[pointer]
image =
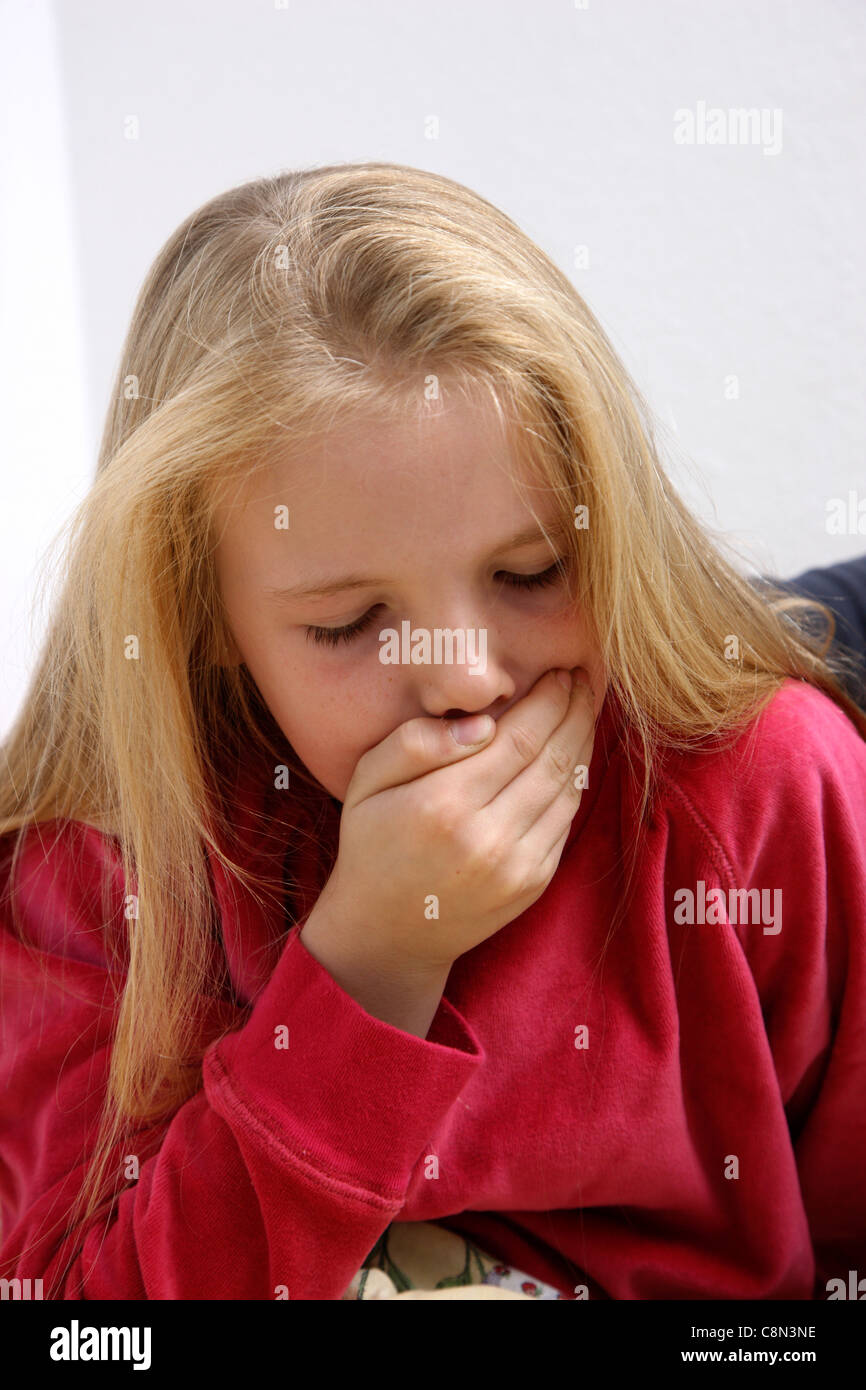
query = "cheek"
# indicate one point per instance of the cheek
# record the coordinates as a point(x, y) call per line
point(331, 720)
point(325, 748)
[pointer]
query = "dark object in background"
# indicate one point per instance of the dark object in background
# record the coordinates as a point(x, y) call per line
point(843, 588)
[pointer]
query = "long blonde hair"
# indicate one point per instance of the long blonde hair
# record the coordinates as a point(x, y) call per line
point(272, 309)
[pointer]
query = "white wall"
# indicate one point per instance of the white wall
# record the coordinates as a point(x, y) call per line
point(706, 261)
point(46, 449)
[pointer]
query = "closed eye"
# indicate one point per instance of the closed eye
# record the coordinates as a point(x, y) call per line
point(333, 636)
point(534, 581)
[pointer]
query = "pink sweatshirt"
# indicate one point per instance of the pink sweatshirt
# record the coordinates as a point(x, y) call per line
point(681, 1117)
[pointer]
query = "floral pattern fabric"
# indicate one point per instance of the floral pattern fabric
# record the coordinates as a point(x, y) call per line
point(420, 1260)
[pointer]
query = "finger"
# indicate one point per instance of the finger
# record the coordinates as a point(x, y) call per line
point(412, 750)
point(526, 798)
point(542, 868)
point(521, 734)
point(551, 829)
point(550, 862)
point(525, 802)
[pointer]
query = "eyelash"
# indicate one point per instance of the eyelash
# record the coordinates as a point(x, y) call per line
point(333, 636)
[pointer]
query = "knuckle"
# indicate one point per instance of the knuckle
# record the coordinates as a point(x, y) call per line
point(491, 850)
point(413, 743)
point(559, 760)
point(516, 879)
point(525, 742)
point(479, 849)
point(441, 818)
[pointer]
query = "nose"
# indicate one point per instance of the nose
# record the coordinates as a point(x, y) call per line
point(464, 671)
point(454, 690)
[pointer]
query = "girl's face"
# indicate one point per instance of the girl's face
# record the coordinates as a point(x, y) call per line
point(389, 524)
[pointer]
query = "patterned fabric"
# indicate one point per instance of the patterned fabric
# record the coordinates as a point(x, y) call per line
point(418, 1259)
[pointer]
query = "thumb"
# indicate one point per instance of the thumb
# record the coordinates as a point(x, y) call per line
point(472, 731)
point(415, 748)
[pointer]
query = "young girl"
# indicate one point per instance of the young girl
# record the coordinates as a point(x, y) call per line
point(294, 948)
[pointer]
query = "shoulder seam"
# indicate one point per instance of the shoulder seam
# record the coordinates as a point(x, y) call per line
point(713, 847)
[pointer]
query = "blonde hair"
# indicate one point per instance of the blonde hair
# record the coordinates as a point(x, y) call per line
point(273, 308)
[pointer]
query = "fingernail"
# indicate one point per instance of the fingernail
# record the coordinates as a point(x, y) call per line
point(472, 730)
point(564, 678)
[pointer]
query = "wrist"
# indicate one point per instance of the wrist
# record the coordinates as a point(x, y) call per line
point(333, 930)
point(404, 993)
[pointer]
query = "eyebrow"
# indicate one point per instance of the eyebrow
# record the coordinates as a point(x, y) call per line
point(325, 588)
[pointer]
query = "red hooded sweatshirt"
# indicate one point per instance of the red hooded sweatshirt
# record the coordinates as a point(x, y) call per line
point(681, 1116)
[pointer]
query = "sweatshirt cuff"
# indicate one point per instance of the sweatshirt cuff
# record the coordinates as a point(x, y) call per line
point(345, 1092)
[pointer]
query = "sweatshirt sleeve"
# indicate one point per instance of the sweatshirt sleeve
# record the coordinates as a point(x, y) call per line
point(274, 1180)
